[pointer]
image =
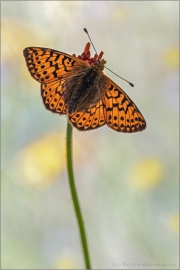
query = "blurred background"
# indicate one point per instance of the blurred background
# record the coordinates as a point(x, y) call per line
point(127, 183)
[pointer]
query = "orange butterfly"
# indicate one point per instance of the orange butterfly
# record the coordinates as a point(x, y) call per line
point(77, 87)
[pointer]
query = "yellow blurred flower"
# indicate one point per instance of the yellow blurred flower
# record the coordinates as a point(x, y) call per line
point(121, 14)
point(146, 174)
point(66, 262)
point(40, 163)
point(174, 223)
point(171, 57)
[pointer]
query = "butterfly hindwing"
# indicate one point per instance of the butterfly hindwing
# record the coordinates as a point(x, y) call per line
point(120, 113)
point(52, 95)
point(91, 119)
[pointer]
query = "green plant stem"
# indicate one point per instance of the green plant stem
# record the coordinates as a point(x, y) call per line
point(75, 197)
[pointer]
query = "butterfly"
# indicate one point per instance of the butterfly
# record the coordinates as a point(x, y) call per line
point(78, 88)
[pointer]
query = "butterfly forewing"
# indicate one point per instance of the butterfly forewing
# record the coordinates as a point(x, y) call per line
point(46, 65)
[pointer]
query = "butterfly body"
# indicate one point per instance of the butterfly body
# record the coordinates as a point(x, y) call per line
point(84, 88)
point(77, 87)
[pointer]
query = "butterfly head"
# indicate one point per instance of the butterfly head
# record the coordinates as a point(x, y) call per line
point(99, 64)
point(96, 60)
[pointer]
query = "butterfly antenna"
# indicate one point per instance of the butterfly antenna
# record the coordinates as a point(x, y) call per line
point(85, 30)
point(120, 77)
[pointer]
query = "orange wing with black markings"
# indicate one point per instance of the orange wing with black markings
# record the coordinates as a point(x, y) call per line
point(120, 112)
point(52, 94)
point(90, 119)
point(47, 65)
point(50, 68)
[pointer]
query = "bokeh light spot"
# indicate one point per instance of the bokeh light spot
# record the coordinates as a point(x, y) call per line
point(146, 174)
point(171, 57)
point(174, 223)
point(40, 162)
point(65, 262)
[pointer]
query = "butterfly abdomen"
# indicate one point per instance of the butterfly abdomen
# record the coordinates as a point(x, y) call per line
point(83, 89)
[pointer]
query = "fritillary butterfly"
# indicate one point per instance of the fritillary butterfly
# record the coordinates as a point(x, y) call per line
point(77, 87)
